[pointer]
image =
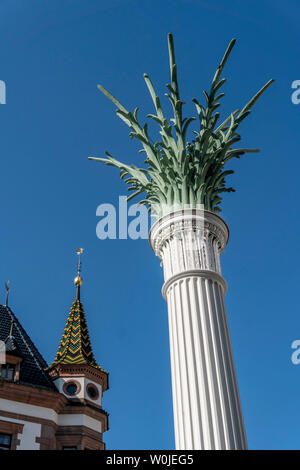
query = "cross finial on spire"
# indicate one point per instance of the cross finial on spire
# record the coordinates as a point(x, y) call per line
point(78, 278)
point(7, 288)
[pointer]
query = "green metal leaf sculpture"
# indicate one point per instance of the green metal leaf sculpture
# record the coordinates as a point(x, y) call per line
point(181, 173)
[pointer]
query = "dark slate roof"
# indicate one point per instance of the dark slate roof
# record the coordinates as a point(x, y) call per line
point(32, 371)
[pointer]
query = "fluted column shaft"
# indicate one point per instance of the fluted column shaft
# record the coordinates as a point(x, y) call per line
point(206, 403)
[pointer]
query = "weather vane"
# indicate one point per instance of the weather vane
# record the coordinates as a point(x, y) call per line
point(79, 253)
point(7, 288)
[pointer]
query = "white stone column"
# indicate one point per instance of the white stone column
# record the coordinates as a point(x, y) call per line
point(206, 402)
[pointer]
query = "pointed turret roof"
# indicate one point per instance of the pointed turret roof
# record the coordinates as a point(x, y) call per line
point(17, 341)
point(75, 345)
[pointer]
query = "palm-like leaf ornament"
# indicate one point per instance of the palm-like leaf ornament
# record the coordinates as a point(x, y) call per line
point(180, 173)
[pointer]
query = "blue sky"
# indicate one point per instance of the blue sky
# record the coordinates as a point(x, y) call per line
point(52, 55)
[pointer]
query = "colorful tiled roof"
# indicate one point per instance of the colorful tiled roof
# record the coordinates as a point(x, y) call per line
point(75, 346)
point(32, 370)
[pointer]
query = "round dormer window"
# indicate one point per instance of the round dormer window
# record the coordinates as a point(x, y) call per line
point(92, 391)
point(71, 388)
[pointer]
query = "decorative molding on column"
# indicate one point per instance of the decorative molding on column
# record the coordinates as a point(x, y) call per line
point(192, 273)
point(196, 219)
point(190, 239)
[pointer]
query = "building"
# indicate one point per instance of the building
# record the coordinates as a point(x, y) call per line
point(57, 407)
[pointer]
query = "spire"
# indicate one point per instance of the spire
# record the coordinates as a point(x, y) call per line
point(75, 346)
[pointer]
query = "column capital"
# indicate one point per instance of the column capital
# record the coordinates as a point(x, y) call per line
point(203, 222)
